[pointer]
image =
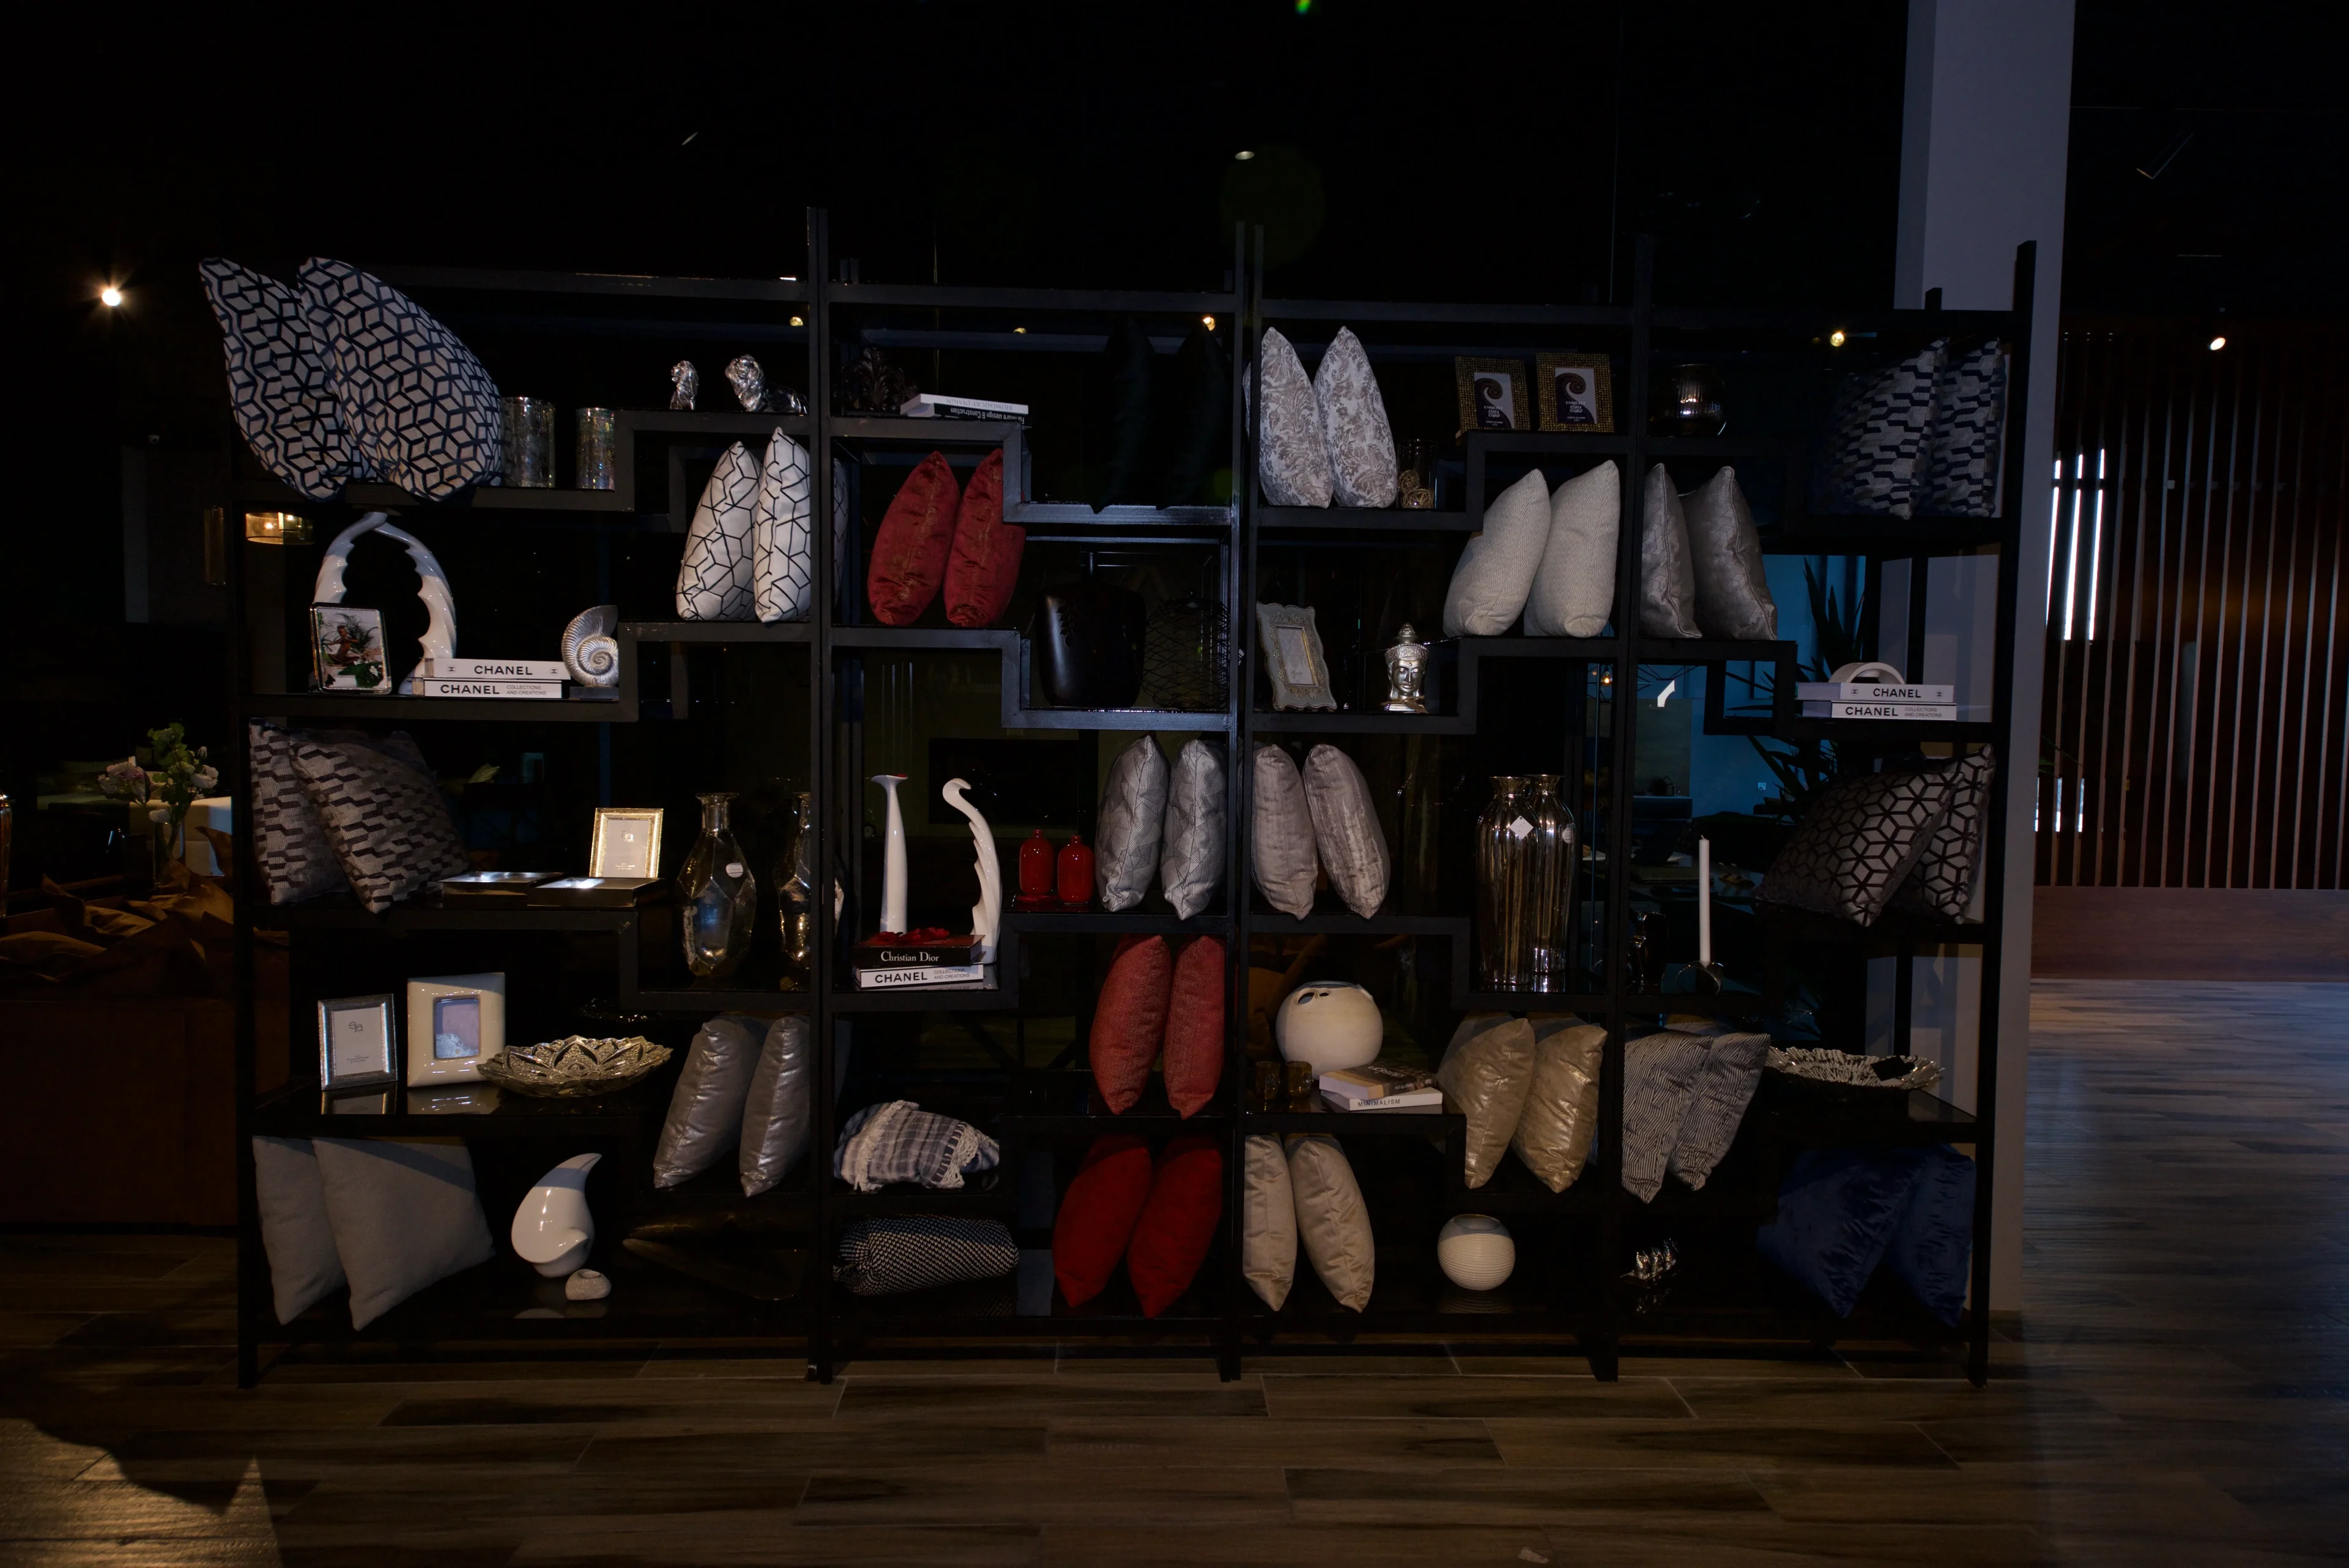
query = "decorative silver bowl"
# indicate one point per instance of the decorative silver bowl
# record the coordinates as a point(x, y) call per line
point(1842, 1070)
point(574, 1067)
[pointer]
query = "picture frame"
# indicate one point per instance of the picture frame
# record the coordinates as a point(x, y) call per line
point(358, 1042)
point(626, 842)
point(1289, 643)
point(1493, 394)
point(455, 1022)
point(347, 649)
point(1575, 392)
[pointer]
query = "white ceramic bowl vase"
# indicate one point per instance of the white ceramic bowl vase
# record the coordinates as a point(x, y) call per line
point(1333, 1024)
point(553, 1229)
point(1475, 1251)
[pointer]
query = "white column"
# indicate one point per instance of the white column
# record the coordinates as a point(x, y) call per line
point(1984, 138)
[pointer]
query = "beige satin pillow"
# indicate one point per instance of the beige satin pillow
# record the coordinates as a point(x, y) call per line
point(1267, 1222)
point(1346, 836)
point(1331, 1220)
point(1561, 1114)
point(1487, 1071)
point(1280, 831)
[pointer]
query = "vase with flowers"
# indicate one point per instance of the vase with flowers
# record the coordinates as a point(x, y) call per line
point(173, 778)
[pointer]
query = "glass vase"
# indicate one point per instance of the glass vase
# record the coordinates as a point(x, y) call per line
point(1502, 963)
point(1555, 849)
point(1526, 847)
point(795, 896)
point(719, 895)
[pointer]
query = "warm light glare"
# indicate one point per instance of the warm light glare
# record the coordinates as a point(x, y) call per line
point(1242, 157)
point(1018, 331)
point(1208, 322)
point(111, 297)
point(276, 528)
point(1834, 339)
point(797, 322)
point(2216, 343)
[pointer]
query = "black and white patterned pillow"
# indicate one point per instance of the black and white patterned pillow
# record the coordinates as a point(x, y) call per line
point(420, 408)
point(1944, 881)
point(1859, 843)
point(714, 576)
point(897, 1141)
point(782, 546)
point(1877, 437)
point(1968, 408)
point(383, 813)
point(281, 383)
point(296, 860)
point(921, 1251)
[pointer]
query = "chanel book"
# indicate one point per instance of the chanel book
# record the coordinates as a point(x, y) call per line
point(1872, 691)
point(1940, 712)
point(494, 670)
point(540, 690)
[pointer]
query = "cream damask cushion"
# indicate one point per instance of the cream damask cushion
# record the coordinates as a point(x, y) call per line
point(1667, 580)
point(1292, 455)
point(1574, 588)
point(1267, 1222)
point(1281, 836)
point(1362, 470)
point(1346, 833)
point(714, 579)
point(1495, 574)
point(1733, 596)
point(1332, 1220)
point(1486, 1073)
point(1191, 846)
point(1859, 842)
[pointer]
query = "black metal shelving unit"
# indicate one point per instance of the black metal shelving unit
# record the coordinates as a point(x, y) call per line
point(1569, 1294)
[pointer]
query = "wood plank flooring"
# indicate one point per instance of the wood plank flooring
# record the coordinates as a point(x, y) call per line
point(2175, 1391)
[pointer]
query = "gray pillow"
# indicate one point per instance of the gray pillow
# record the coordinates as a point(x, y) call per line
point(1281, 834)
point(1724, 1085)
point(295, 1231)
point(775, 1119)
point(404, 1214)
point(383, 813)
point(1963, 454)
point(1362, 468)
point(1292, 457)
point(1858, 844)
point(1561, 1110)
point(1191, 850)
point(1267, 1222)
point(1660, 1078)
point(1667, 580)
point(297, 862)
point(1949, 868)
point(705, 1112)
point(1332, 1220)
point(1733, 596)
point(1573, 589)
point(1486, 1073)
point(1877, 429)
point(1346, 829)
point(1125, 835)
point(1495, 574)
point(921, 1251)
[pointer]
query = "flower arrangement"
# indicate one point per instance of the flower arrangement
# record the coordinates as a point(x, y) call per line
point(175, 778)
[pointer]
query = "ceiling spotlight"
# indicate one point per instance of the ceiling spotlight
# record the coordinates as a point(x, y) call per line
point(2216, 343)
point(1208, 322)
point(111, 296)
point(1242, 156)
point(1834, 339)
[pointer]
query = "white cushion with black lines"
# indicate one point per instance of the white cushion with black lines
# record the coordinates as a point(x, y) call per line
point(423, 411)
point(383, 813)
point(281, 382)
point(1968, 407)
point(1877, 434)
point(888, 1257)
point(297, 862)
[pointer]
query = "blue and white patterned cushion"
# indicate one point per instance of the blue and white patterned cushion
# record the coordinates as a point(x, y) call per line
point(281, 383)
point(1968, 408)
point(423, 411)
point(921, 1251)
point(1877, 435)
point(713, 579)
point(782, 547)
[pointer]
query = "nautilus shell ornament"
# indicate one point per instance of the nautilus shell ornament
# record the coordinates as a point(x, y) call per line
point(590, 650)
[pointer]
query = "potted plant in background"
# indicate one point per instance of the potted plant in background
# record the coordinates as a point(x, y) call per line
point(173, 779)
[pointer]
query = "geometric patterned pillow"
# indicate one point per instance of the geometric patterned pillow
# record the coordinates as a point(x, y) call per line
point(1877, 433)
point(1860, 840)
point(782, 549)
point(383, 813)
point(281, 385)
point(887, 1257)
point(714, 576)
point(296, 861)
point(1969, 406)
point(1943, 882)
point(423, 411)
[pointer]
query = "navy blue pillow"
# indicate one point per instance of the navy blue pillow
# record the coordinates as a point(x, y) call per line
point(1837, 1215)
point(422, 411)
point(1935, 1237)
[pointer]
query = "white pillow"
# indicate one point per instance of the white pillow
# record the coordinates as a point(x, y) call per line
point(1362, 469)
point(1191, 846)
point(777, 1118)
point(1332, 1220)
point(1281, 834)
point(713, 580)
point(1574, 588)
point(1292, 457)
point(404, 1214)
point(1497, 571)
point(1667, 580)
point(1346, 836)
point(782, 558)
point(1132, 814)
point(1268, 1222)
point(295, 1231)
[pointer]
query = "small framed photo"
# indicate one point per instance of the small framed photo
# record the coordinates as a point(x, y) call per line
point(455, 1022)
point(1492, 395)
point(347, 649)
point(626, 842)
point(356, 1046)
point(1292, 650)
point(1575, 392)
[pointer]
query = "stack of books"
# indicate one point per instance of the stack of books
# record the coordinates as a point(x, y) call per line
point(538, 680)
point(923, 960)
point(1877, 700)
point(930, 406)
point(1378, 1088)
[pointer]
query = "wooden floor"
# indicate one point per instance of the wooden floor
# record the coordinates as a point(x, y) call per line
point(2177, 1391)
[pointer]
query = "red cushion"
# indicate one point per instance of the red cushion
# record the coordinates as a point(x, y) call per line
point(985, 567)
point(1195, 1027)
point(1130, 1019)
point(909, 553)
point(1178, 1224)
point(1097, 1216)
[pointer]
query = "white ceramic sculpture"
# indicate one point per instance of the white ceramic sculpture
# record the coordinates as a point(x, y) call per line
point(553, 1229)
point(1333, 1024)
point(432, 585)
point(590, 650)
point(893, 858)
point(586, 1286)
point(1475, 1251)
point(986, 915)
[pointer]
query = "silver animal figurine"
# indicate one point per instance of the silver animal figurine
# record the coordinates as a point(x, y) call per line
point(684, 385)
point(750, 383)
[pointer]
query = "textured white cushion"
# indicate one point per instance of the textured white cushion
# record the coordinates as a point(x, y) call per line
point(782, 558)
point(1495, 574)
point(1191, 848)
point(1667, 581)
point(404, 1214)
point(1574, 588)
point(1132, 814)
point(1346, 833)
point(1292, 456)
point(1486, 1073)
point(713, 580)
point(1332, 1220)
point(1281, 836)
point(296, 1230)
point(1362, 470)
point(1268, 1222)
point(1733, 596)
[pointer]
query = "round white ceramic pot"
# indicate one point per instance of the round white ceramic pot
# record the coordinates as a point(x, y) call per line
point(1475, 1251)
point(1330, 1024)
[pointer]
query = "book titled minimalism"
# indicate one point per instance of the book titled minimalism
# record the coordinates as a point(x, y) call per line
point(540, 670)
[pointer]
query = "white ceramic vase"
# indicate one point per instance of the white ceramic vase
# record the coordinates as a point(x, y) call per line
point(892, 858)
point(1476, 1251)
point(1333, 1024)
point(553, 1229)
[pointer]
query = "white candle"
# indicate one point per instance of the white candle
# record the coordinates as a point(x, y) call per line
point(1704, 902)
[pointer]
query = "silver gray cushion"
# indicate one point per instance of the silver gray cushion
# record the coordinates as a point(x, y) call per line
point(1125, 835)
point(1733, 596)
point(1191, 850)
point(296, 1232)
point(1574, 590)
point(1495, 574)
point(1733, 1066)
point(1660, 1078)
point(1281, 834)
point(776, 1123)
point(404, 1214)
point(1292, 457)
point(1858, 844)
point(1362, 469)
point(1667, 581)
point(1346, 829)
point(705, 1113)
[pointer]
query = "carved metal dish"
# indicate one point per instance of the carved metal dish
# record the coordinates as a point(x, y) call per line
point(574, 1067)
point(1842, 1070)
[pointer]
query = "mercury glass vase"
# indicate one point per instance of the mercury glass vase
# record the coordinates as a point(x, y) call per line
point(795, 896)
point(717, 896)
point(1554, 848)
point(1525, 883)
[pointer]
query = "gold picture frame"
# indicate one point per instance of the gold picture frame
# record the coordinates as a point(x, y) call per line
point(627, 842)
point(1575, 392)
point(1492, 394)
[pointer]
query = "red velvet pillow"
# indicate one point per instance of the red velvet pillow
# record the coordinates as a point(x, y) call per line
point(909, 553)
point(1130, 1019)
point(1178, 1223)
point(1097, 1216)
point(1195, 1027)
point(986, 564)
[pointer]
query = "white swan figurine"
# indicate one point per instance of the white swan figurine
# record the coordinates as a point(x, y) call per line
point(553, 1230)
point(986, 915)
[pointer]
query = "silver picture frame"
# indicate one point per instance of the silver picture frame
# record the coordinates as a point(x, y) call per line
point(1291, 646)
point(358, 1042)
